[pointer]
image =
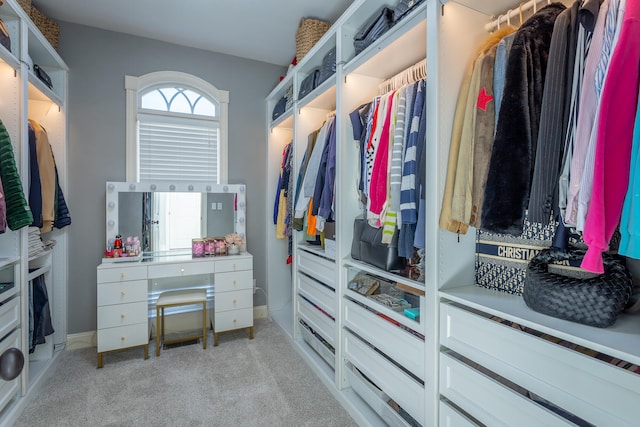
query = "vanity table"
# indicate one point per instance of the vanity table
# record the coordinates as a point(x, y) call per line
point(126, 290)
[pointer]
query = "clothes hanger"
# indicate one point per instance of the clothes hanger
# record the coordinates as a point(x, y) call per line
point(499, 18)
point(520, 13)
point(535, 6)
point(509, 17)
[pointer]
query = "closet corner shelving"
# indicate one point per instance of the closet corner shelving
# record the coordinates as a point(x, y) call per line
point(475, 356)
point(25, 97)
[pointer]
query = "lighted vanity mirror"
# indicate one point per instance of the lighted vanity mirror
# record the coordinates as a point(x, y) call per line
point(167, 216)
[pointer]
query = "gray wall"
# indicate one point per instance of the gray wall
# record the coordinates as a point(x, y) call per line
point(98, 61)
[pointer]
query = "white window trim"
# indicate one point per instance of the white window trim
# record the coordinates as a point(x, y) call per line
point(133, 85)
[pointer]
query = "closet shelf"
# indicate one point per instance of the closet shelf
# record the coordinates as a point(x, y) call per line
point(9, 58)
point(418, 286)
point(622, 340)
point(39, 272)
point(322, 97)
point(5, 261)
point(38, 91)
point(285, 121)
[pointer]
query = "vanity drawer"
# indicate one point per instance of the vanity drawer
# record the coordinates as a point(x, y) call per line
point(487, 400)
point(318, 293)
point(403, 389)
point(8, 389)
point(122, 274)
point(317, 267)
point(319, 322)
point(9, 316)
point(225, 301)
point(122, 292)
point(225, 282)
point(233, 319)
point(111, 316)
point(399, 345)
point(234, 265)
point(123, 337)
point(181, 269)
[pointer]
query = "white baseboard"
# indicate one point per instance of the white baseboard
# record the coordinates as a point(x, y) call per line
point(89, 339)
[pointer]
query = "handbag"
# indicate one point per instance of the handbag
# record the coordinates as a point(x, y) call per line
point(373, 29)
point(582, 297)
point(5, 39)
point(367, 246)
point(42, 75)
point(328, 67)
point(309, 83)
point(403, 8)
point(279, 108)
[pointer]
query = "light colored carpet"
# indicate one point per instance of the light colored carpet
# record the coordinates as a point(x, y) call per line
point(242, 382)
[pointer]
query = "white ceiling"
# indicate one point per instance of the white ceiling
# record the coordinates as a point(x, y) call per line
point(263, 30)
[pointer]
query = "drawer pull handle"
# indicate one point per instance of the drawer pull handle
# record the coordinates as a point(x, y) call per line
point(121, 293)
point(234, 321)
point(234, 265)
point(234, 302)
point(121, 276)
point(122, 316)
point(234, 283)
point(182, 270)
point(121, 338)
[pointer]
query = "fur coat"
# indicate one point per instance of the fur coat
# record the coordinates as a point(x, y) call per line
point(512, 157)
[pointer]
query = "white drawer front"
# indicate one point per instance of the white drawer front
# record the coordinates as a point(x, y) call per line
point(237, 264)
point(9, 316)
point(319, 294)
point(406, 391)
point(122, 292)
point(319, 322)
point(235, 319)
point(122, 274)
point(179, 269)
point(111, 316)
point(123, 337)
point(317, 267)
point(8, 389)
point(225, 301)
point(489, 401)
point(604, 394)
point(451, 417)
point(225, 282)
point(400, 345)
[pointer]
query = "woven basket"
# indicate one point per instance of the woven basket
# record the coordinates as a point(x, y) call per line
point(26, 5)
point(49, 28)
point(309, 32)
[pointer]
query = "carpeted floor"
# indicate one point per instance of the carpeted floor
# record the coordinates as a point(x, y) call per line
point(242, 382)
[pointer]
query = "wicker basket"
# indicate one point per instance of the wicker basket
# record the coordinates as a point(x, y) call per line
point(309, 32)
point(49, 28)
point(26, 5)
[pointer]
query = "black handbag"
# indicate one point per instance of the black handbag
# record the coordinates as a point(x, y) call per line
point(586, 298)
point(5, 39)
point(403, 8)
point(373, 29)
point(43, 76)
point(309, 83)
point(279, 108)
point(367, 246)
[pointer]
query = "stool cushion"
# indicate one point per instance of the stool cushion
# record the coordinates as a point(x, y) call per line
point(186, 296)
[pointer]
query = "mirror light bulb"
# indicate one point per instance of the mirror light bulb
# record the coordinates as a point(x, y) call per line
point(172, 187)
point(110, 223)
point(111, 205)
point(110, 187)
point(132, 187)
point(153, 187)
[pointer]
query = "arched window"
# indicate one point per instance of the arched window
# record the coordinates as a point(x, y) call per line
point(176, 129)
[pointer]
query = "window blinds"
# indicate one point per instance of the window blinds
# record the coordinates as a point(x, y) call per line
point(177, 149)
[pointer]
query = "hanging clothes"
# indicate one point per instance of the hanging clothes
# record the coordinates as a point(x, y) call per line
point(41, 314)
point(298, 222)
point(63, 217)
point(35, 190)
point(18, 213)
point(324, 190)
point(511, 165)
point(3, 210)
point(630, 218)
point(280, 210)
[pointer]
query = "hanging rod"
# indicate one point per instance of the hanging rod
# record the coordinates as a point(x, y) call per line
point(514, 13)
point(414, 73)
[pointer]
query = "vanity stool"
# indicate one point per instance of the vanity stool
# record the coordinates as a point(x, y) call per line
point(177, 298)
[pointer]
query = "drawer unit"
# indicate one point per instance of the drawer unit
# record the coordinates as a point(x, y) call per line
point(320, 322)
point(233, 319)
point(111, 316)
point(317, 267)
point(318, 293)
point(122, 274)
point(179, 269)
point(122, 337)
point(233, 281)
point(488, 401)
point(226, 301)
point(451, 417)
point(122, 292)
point(399, 345)
point(8, 389)
point(9, 316)
point(237, 264)
point(404, 390)
point(599, 393)
point(318, 346)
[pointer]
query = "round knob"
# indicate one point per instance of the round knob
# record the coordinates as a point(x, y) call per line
point(122, 316)
point(234, 266)
point(234, 302)
point(121, 338)
point(121, 276)
point(182, 270)
point(121, 293)
point(234, 320)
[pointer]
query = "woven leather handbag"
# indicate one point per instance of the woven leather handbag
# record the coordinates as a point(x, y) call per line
point(586, 298)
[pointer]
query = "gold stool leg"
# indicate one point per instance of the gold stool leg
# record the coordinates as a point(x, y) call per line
point(100, 360)
point(146, 351)
point(250, 332)
point(204, 325)
point(157, 331)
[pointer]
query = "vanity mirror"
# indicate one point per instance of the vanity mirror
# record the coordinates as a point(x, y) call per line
point(166, 216)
